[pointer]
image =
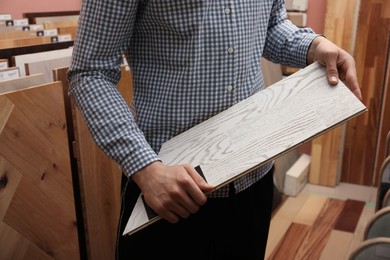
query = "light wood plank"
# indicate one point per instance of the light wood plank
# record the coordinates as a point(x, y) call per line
point(51, 228)
point(282, 219)
point(20, 83)
point(310, 211)
point(291, 242)
point(20, 60)
point(259, 129)
point(315, 241)
point(46, 67)
point(337, 246)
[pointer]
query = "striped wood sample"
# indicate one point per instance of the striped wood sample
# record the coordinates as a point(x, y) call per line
point(37, 212)
point(318, 235)
point(327, 149)
point(362, 160)
point(257, 130)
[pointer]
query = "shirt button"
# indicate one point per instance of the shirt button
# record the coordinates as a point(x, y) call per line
point(229, 88)
point(230, 50)
point(227, 10)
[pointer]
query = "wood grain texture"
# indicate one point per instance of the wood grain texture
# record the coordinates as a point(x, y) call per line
point(281, 221)
point(99, 176)
point(21, 83)
point(259, 129)
point(291, 242)
point(338, 244)
point(361, 160)
point(316, 239)
point(37, 211)
point(327, 150)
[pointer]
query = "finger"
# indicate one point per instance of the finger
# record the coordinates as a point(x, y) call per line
point(331, 71)
point(352, 82)
point(202, 184)
point(196, 191)
point(171, 208)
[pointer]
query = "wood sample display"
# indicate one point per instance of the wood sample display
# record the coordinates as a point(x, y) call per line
point(37, 212)
point(327, 149)
point(257, 130)
point(46, 67)
point(315, 234)
point(99, 176)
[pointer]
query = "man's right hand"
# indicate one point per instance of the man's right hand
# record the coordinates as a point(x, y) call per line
point(173, 192)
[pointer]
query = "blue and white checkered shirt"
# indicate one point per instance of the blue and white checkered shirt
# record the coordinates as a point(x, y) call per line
point(190, 60)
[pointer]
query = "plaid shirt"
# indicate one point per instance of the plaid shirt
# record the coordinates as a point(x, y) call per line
point(190, 60)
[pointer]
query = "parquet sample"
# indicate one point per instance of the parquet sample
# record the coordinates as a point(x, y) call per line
point(37, 212)
point(257, 130)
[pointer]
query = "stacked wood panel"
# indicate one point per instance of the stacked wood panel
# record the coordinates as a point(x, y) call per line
point(366, 135)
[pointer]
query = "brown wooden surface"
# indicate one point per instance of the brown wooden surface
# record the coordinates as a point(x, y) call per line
point(350, 215)
point(21, 83)
point(319, 234)
point(327, 150)
point(361, 157)
point(37, 211)
point(28, 41)
point(99, 179)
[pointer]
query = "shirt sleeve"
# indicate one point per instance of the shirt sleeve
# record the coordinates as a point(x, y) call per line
point(286, 43)
point(104, 32)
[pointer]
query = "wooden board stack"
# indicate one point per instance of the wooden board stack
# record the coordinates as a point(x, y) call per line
point(257, 130)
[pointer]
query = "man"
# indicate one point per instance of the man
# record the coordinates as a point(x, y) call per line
point(190, 59)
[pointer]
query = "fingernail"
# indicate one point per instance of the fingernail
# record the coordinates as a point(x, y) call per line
point(333, 79)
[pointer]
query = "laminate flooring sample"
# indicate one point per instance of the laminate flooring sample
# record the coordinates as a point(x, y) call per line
point(257, 130)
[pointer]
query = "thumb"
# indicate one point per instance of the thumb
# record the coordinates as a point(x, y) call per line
point(332, 72)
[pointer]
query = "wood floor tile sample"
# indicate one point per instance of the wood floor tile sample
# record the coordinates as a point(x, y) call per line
point(283, 218)
point(337, 246)
point(310, 211)
point(350, 216)
point(258, 130)
point(291, 242)
point(316, 239)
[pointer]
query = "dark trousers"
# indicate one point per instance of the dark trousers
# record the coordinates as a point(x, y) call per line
point(224, 228)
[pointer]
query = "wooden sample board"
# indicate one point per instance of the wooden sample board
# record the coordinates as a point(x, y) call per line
point(37, 209)
point(21, 60)
point(99, 176)
point(46, 67)
point(257, 130)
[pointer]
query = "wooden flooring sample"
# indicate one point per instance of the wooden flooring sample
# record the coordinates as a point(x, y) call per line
point(257, 130)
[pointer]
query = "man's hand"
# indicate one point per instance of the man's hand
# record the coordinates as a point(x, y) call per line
point(173, 192)
point(339, 63)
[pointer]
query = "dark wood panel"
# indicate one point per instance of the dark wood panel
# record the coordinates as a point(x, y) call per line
point(349, 216)
point(361, 141)
point(31, 16)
